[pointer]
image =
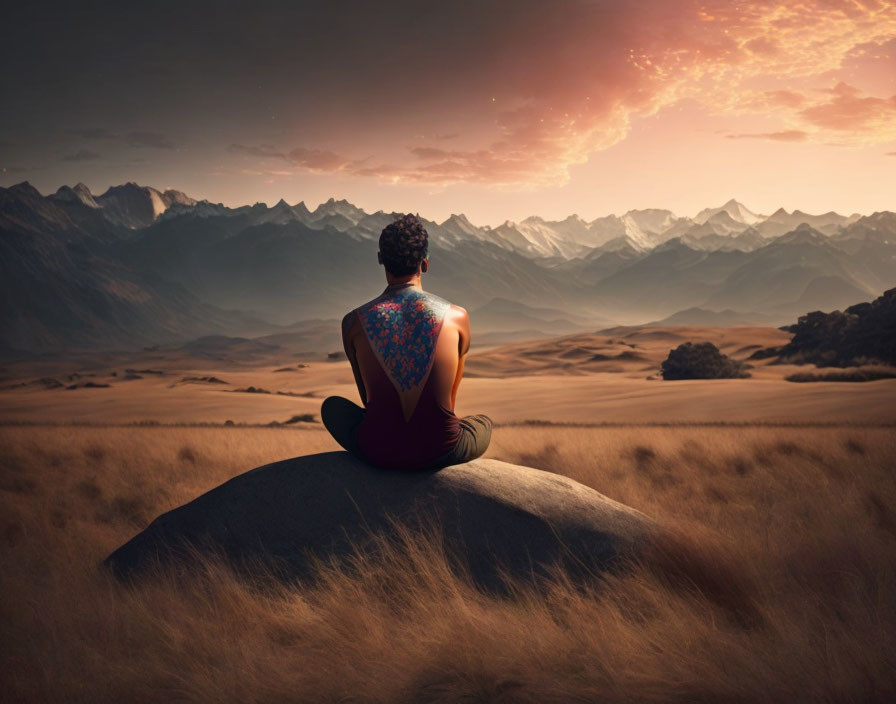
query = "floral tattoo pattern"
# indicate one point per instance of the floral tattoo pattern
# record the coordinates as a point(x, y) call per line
point(403, 327)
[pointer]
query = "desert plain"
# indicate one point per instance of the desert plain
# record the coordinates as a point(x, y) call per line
point(605, 377)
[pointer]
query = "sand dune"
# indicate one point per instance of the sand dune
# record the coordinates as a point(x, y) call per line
point(628, 350)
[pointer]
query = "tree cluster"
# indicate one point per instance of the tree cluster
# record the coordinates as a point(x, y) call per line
point(862, 334)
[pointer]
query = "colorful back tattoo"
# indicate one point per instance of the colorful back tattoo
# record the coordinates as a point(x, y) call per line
point(403, 327)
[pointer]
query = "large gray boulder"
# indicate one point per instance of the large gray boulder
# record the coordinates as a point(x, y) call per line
point(494, 515)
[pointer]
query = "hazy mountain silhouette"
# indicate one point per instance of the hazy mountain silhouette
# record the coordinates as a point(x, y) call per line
point(505, 315)
point(137, 264)
point(63, 286)
point(722, 318)
point(778, 276)
point(781, 222)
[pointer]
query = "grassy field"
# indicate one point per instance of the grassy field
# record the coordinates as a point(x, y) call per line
point(777, 583)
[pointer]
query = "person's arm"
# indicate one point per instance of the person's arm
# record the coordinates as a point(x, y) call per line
point(463, 346)
point(347, 324)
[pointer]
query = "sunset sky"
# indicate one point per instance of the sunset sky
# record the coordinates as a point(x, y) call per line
point(500, 110)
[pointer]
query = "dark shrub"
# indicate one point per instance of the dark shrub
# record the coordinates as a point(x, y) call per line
point(851, 375)
point(701, 361)
point(862, 334)
point(766, 352)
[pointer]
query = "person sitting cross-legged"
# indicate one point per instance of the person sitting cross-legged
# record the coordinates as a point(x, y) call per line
point(407, 349)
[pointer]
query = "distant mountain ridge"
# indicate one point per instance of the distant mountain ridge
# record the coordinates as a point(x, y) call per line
point(134, 207)
point(138, 263)
point(62, 284)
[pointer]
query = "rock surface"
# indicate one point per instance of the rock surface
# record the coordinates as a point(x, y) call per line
point(493, 514)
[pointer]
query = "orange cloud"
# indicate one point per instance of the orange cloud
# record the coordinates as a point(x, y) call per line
point(785, 98)
point(785, 136)
point(565, 79)
point(429, 152)
point(580, 95)
point(847, 111)
point(317, 160)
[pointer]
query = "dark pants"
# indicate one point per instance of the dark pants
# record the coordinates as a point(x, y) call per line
point(342, 418)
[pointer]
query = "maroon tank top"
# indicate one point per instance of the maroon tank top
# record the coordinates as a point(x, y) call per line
point(402, 327)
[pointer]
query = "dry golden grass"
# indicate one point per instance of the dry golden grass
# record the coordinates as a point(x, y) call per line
point(777, 581)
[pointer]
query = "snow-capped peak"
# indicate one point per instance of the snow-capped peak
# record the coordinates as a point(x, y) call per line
point(737, 211)
point(339, 207)
point(77, 194)
point(458, 224)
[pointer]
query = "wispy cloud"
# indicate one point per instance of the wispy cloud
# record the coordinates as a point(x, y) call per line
point(152, 140)
point(319, 160)
point(785, 98)
point(784, 136)
point(81, 155)
point(263, 150)
point(846, 110)
point(429, 152)
point(95, 133)
point(135, 138)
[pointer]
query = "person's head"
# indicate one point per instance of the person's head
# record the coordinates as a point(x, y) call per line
point(403, 247)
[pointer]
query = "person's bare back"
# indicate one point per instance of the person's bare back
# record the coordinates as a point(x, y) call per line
point(411, 334)
point(407, 348)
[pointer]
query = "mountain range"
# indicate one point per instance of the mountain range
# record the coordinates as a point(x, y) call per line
point(136, 265)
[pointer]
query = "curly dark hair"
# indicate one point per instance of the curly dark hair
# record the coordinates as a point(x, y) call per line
point(403, 245)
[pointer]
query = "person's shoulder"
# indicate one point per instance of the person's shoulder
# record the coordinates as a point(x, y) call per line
point(359, 310)
point(434, 298)
point(451, 310)
point(348, 320)
point(458, 316)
